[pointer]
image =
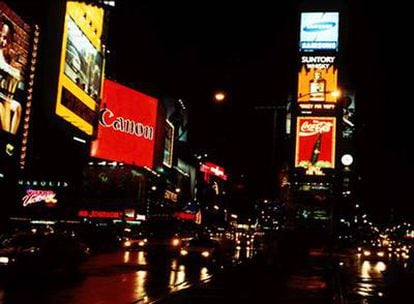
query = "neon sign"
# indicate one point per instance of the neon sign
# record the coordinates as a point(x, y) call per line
point(36, 196)
point(210, 168)
point(100, 214)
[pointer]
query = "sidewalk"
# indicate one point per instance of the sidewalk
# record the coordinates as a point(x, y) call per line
point(284, 273)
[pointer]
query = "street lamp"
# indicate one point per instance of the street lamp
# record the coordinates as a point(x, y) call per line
point(219, 97)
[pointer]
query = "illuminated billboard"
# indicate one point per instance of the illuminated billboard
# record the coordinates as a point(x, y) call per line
point(348, 115)
point(41, 193)
point(168, 144)
point(81, 66)
point(319, 31)
point(127, 122)
point(315, 144)
point(212, 169)
point(177, 115)
point(317, 79)
point(15, 46)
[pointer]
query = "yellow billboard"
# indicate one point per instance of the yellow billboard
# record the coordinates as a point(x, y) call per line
point(317, 79)
point(81, 66)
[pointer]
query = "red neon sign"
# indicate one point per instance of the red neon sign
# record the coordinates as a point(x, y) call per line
point(315, 143)
point(127, 125)
point(210, 168)
point(100, 214)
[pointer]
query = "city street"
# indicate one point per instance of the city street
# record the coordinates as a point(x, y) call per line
point(118, 277)
point(205, 153)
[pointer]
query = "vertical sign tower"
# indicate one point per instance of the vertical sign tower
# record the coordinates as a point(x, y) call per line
point(315, 119)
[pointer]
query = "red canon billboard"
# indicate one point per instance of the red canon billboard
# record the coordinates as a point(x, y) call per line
point(127, 125)
point(315, 143)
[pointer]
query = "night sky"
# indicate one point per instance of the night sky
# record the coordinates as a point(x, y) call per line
point(188, 50)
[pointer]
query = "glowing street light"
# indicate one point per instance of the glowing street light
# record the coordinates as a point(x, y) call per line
point(219, 97)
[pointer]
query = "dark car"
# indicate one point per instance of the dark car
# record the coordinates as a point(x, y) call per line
point(201, 249)
point(134, 241)
point(41, 253)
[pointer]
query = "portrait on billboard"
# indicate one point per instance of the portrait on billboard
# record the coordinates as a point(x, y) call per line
point(315, 143)
point(83, 62)
point(14, 53)
point(317, 79)
point(319, 31)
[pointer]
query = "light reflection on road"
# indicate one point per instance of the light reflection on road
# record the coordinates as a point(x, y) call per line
point(369, 284)
point(119, 277)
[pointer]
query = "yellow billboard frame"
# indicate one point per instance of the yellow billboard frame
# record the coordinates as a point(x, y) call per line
point(90, 20)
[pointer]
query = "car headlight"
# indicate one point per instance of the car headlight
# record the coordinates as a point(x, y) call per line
point(127, 244)
point(4, 260)
point(367, 252)
point(380, 253)
point(175, 242)
point(205, 254)
point(141, 243)
point(183, 252)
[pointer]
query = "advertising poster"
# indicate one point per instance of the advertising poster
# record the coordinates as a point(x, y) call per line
point(81, 66)
point(177, 115)
point(127, 125)
point(15, 42)
point(317, 79)
point(168, 144)
point(348, 116)
point(315, 143)
point(319, 31)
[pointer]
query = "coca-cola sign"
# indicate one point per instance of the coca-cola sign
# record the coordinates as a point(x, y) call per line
point(316, 126)
point(315, 143)
point(127, 124)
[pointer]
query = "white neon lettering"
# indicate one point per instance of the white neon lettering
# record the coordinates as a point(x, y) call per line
point(125, 125)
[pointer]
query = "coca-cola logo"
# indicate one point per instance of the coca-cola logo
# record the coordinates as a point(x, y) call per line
point(309, 128)
point(35, 196)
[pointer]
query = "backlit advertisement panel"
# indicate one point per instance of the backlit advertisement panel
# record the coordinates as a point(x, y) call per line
point(81, 66)
point(168, 144)
point(348, 115)
point(317, 79)
point(319, 31)
point(315, 144)
point(127, 122)
point(177, 115)
point(15, 45)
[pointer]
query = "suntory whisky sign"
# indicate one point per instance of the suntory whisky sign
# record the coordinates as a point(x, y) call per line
point(315, 143)
point(317, 79)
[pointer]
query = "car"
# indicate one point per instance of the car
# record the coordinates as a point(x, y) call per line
point(372, 252)
point(134, 241)
point(201, 249)
point(28, 252)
